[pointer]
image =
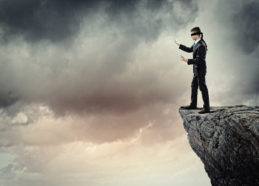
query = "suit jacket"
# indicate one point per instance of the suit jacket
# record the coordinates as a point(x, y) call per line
point(199, 57)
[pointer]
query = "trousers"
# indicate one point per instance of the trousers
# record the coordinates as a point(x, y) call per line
point(199, 80)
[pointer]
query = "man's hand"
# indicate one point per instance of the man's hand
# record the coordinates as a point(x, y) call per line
point(184, 59)
point(176, 43)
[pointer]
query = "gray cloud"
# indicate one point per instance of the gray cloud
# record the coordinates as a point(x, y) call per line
point(239, 21)
point(57, 20)
point(245, 22)
point(93, 86)
point(7, 98)
point(101, 70)
point(53, 20)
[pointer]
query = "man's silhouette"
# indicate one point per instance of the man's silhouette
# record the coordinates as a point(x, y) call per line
point(199, 49)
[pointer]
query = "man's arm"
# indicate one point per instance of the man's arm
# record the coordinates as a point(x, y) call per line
point(199, 58)
point(185, 48)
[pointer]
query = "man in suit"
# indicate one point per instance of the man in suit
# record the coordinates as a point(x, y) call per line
point(199, 49)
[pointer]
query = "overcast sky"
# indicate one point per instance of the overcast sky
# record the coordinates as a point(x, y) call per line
point(90, 90)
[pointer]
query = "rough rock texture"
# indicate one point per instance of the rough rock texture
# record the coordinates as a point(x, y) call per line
point(227, 142)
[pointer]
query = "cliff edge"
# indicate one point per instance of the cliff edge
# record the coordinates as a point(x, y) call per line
point(227, 142)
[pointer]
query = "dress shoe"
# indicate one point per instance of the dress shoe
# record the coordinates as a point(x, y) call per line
point(203, 111)
point(188, 107)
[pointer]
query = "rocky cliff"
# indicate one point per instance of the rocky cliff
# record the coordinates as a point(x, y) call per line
point(227, 142)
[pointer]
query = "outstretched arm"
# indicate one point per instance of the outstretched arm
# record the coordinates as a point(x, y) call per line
point(185, 48)
point(200, 57)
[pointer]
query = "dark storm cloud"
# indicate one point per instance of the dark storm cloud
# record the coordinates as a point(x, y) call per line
point(58, 19)
point(55, 20)
point(246, 24)
point(50, 19)
point(7, 98)
point(240, 20)
point(242, 17)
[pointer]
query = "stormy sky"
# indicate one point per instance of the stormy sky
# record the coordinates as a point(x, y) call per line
point(90, 90)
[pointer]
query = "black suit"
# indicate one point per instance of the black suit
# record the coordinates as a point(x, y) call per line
point(199, 71)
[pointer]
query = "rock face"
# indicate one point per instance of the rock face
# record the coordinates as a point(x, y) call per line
point(227, 142)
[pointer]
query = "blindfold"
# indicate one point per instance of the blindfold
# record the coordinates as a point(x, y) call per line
point(196, 33)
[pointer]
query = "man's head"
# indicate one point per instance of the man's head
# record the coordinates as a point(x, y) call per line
point(195, 33)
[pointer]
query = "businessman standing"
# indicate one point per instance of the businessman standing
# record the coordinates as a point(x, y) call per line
point(199, 49)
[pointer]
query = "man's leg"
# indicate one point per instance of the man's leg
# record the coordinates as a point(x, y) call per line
point(204, 91)
point(194, 93)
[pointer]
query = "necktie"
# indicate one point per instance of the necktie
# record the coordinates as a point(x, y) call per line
point(194, 44)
